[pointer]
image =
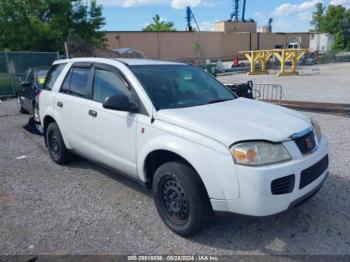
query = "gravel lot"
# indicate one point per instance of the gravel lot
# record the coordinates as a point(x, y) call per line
point(84, 209)
point(319, 83)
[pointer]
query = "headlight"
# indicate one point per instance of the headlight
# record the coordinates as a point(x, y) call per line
point(317, 130)
point(259, 153)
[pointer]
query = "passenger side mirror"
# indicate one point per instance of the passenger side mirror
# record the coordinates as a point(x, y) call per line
point(121, 103)
point(26, 84)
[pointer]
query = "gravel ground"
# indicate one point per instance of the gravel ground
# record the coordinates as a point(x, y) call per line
point(84, 209)
point(319, 83)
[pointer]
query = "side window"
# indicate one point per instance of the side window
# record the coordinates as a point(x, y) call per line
point(79, 81)
point(107, 84)
point(52, 75)
point(66, 82)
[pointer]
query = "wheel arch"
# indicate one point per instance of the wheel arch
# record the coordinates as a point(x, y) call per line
point(156, 158)
point(170, 148)
point(46, 121)
point(159, 157)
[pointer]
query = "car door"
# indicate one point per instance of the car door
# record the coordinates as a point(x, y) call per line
point(71, 105)
point(112, 133)
point(27, 91)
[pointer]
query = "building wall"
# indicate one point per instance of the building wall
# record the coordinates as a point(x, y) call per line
point(232, 26)
point(213, 45)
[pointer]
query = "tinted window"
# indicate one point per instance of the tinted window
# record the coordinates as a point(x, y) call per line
point(29, 75)
point(66, 82)
point(108, 84)
point(79, 82)
point(52, 76)
point(175, 86)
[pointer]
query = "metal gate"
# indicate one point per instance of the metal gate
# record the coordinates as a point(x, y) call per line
point(13, 66)
point(268, 92)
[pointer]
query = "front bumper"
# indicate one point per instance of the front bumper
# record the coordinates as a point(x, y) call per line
point(256, 198)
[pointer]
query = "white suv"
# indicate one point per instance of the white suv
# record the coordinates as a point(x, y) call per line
point(182, 133)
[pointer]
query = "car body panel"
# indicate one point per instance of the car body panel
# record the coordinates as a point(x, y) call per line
point(238, 120)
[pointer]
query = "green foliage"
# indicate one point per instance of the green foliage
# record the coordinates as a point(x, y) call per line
point(159, 26)
point(334, 20)
point(44, 25)
point(317, 17)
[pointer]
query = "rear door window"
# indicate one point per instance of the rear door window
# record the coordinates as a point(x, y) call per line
point(79, 82)
point(66, 83)
point(52, 75)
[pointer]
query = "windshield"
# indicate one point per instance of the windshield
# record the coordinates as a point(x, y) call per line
point(177, 86)
point(40, 77)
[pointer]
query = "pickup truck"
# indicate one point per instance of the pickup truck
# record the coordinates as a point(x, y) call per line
point(199, 147)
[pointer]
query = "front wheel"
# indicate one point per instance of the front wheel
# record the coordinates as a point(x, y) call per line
point(180, 198)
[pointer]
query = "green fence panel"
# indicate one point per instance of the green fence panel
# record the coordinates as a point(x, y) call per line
point(14, 65)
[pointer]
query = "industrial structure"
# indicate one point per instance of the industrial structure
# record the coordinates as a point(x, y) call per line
point(321, 42)
point(237, 9)
point(259, 60)
point(189, 18)
point(228, 39)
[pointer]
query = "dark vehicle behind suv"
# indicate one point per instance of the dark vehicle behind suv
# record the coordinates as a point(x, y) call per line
point(29, 88)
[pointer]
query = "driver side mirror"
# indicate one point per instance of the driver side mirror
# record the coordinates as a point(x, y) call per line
point(120, 103)
point(26, 84)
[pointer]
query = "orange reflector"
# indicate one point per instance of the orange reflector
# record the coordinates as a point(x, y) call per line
point(240, 155)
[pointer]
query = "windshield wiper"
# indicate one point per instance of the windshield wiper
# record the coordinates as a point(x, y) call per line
point(218, 101)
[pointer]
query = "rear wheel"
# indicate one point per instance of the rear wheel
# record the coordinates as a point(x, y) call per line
point(19, 106)
point(57, 149)
point(180, 198)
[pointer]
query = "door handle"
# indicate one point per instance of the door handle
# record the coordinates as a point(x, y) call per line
point(59, 104)
point(92, 113)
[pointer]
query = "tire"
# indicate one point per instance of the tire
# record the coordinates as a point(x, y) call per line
point(180, 198)
point(19, 106)
point(55, 144)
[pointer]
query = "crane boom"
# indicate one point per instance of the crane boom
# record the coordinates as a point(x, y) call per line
point(189, 17)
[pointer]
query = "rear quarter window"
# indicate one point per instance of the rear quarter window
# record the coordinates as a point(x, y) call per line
point(52, 76)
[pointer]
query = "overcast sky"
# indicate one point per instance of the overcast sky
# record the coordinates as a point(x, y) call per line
point(288, 15)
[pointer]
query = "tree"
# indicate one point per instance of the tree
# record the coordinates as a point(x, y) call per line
point(334, 20)
point(44, 25)
point(159, 25)
point(317, 17)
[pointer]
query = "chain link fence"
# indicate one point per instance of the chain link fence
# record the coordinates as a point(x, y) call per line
point(334, 57)
point(14, 65)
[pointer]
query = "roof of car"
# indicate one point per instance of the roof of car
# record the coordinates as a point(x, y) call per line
point(127, 61)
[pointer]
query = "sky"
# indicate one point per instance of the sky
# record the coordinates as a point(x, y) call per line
point(133, 15)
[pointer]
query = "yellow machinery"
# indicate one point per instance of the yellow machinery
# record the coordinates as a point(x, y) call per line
point(261, 58)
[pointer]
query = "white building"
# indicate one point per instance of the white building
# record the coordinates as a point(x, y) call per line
point(321, 42)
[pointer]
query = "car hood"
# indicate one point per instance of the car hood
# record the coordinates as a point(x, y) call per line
point(238, 120)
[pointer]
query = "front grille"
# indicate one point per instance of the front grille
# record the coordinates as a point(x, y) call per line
point(306, 143)
point(313, 172)
point(283, 185)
